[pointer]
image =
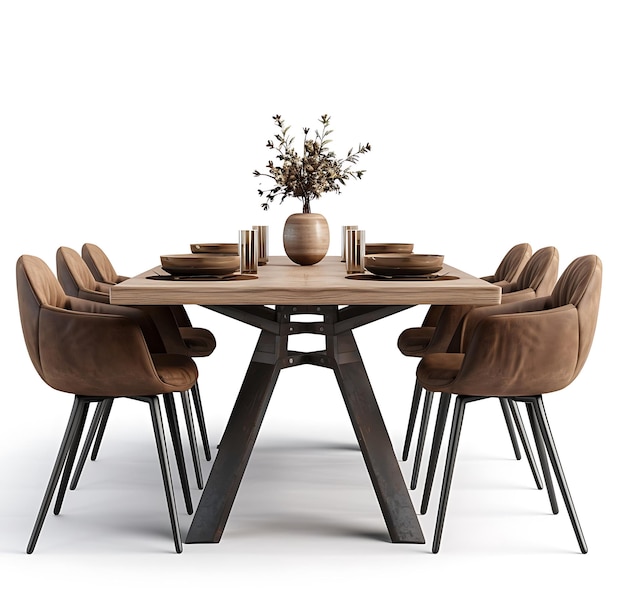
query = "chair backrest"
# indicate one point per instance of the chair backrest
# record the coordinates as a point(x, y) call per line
point(580, 285)
point(540, 272)
point(99, 264)
point(74, 275)
point(37, 286)
point(513, 263)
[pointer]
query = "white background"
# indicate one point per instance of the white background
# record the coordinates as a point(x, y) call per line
point(137, 125)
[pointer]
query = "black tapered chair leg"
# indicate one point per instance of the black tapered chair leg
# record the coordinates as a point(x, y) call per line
point(197, 402)
point(71, 456)
point(440, 425)
point(68, 437)
point(517, 418)
point(455, 433)
point(98, 424)
point(506, 411)
point(415, 402)
point(103, 424)
point(421, 437)
point(191, 433)
point(543, 460)
point(91, 433)
point(157, 424)
point(546, 433)
point(172, 420)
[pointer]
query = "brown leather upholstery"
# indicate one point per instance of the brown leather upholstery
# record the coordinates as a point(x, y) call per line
point(536, 278)
point(103, 271)
point(97, 352)
point(81, 347)
point(419, 341)
point(77, 280)
point(512, 264)
point(524, 348)
point(518, 352)
point(200, 341)
point(416, 341)
point(100, 265)
point(36, 288)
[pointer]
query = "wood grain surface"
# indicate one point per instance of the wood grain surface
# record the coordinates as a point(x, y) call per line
point(283, 282)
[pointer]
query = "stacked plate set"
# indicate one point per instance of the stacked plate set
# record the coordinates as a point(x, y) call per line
point(204, 260)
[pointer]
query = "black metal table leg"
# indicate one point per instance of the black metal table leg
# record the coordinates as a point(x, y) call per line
point(270, 356)
point(371, 433)
point(236, 445)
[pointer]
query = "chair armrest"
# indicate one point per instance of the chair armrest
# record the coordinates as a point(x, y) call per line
point(507, 287)
point(517, 296)
point(157, 322)
point(100, 354)
point(103, 287)
point(138, 316)
point(521, 353)
point(94, 296)
point(478, 314)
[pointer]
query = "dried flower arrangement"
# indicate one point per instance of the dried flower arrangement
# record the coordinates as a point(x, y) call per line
point(310, 174)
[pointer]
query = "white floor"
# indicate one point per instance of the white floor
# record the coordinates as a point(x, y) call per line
point(306, 533)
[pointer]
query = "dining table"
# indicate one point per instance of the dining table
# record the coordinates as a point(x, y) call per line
point(274, 301)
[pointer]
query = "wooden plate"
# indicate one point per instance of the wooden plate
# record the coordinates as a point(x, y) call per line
point(387, 248)
point(224, 249)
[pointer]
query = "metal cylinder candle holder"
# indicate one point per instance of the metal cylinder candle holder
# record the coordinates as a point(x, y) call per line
point(262, 232)
point(248, 252)
point(355, 251)
point(344, 232)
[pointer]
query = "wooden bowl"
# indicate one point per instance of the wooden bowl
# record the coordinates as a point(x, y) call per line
point(200, 264)
point(401, 264)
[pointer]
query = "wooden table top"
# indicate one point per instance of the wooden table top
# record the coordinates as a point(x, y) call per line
point(281, 282)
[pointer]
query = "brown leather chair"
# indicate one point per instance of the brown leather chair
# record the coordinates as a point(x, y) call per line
point(77, 281)
point(436, 332)
point(518, 352)
point(537, 278)
point(95, 352)
point(200, 342)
